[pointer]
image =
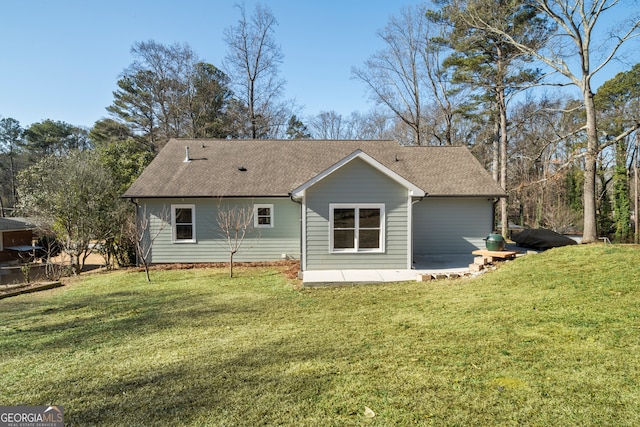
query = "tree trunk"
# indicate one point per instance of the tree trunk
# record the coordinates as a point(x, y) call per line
point(502, 108)
point(495, 168)
point(231, 264)
point(75, 264)
point(146, 268)
point(14, 192)
point(252, 112)
point(635, 187)
point(590, 232)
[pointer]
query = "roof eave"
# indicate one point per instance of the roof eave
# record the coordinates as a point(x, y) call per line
point(204, 196)
point(473, 195)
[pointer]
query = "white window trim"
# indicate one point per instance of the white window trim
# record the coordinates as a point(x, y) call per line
point(174, 234)
point(1, 238)
point(255, 216)
point(357, 207)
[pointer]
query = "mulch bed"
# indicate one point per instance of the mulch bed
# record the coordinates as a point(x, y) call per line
point(290, 268)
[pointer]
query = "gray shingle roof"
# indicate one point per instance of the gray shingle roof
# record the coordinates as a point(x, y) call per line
point(16, 224)
point(257, 168)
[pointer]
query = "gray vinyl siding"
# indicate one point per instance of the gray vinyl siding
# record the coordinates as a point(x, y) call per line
point(451, 225)
point(356, 182)
point(262, 244)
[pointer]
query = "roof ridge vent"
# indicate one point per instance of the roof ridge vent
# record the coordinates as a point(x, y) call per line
point(186, 155)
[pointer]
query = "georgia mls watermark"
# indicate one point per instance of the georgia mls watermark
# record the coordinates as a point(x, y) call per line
point(31, 416)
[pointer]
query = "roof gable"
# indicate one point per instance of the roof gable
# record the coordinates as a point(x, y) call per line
point(359, 154)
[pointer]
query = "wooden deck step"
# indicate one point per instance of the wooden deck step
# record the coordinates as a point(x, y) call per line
point(495, 254)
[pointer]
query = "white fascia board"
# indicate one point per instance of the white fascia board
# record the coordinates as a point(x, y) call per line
point(414, 190)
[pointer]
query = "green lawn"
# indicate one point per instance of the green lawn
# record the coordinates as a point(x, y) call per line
point(550, 339)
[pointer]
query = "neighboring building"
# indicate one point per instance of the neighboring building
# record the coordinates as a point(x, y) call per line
point(331, 204)
point(16, 237)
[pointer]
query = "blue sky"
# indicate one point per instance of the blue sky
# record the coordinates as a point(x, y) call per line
point(61, 59)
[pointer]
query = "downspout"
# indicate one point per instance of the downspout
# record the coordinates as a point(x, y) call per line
point(301, 231)
point(132, 200)
point(413, 202)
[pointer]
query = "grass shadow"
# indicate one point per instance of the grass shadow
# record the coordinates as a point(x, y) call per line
point(201, 389)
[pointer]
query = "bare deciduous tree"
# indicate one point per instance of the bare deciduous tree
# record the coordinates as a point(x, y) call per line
point(144, 231)
point(252, 62)
point(329, 125)
point(372, 125)
point(235, 224)
point(394, 75)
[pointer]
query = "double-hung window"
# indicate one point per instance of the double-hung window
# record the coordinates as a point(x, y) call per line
point(357, 228)
point(263, 216)
point(183, 221)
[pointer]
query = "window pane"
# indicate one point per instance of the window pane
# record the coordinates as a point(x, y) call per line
point(369, 218)
point(344, 218)
point(183, 216)
point(264, 212)
point(369, 239)
point(264, 220)
point(184, 232)
point(343, 239)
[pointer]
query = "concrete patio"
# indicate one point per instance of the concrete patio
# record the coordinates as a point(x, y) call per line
point(443, 264)
point(432, 264)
